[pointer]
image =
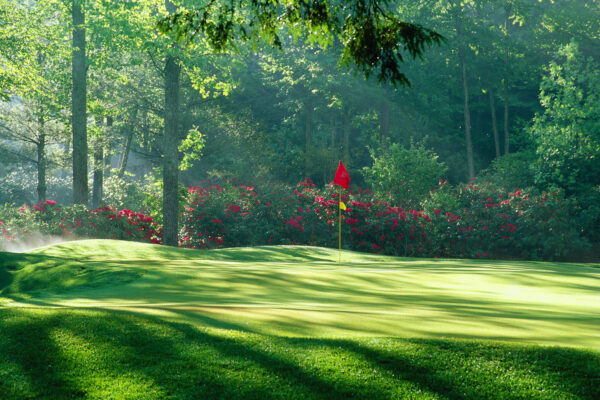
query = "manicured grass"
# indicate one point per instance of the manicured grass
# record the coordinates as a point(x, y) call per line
point(288, 322)
point(55, 354)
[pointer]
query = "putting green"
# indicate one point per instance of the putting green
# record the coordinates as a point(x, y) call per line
point(302, 291)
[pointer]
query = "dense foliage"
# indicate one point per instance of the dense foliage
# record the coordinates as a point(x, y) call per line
point(478, 220)
point(567, 133)
point(404, 176)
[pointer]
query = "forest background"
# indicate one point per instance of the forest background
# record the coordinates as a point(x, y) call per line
point(509, 97)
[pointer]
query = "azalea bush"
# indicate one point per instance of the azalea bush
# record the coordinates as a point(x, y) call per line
point(482, 220)
point(73, 222)
point(478, 220)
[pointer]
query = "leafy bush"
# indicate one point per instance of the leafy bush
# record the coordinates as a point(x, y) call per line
point(513, 171)
point(404, 176)
point(587, 215)
point(483, 219)
point(124, 193)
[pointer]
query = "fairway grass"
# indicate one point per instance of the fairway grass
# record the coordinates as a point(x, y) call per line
point(109, 319)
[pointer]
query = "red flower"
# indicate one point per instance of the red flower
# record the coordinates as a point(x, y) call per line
point(235, 208)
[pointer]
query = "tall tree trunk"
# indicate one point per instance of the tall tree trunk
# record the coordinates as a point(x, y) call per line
point(506, 134)
point(467, 113)
point(347, 136)
point(78, 107)
point(41, 162)
point(494, 123)
point(97, 191)
point(145, 130)
point(128, 143)
point(66, 150)
point(170, 142)
point(107, 157)
point(98, 170)
point(506, 66)
point(384, 117)
point(125, 155)
point(308, 108)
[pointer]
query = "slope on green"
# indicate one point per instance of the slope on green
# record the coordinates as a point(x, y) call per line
point(302, 291)
point(28, 274)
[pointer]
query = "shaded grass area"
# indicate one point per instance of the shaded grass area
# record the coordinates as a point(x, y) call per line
point(22, 274)
point(55, 354)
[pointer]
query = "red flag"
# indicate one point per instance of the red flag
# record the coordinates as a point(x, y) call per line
point(341, 176)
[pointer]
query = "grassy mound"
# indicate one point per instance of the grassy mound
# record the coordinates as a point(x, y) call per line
point(289, 322)
point(25, 275)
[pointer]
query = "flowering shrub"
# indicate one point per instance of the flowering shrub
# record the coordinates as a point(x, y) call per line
point(475, 220)
point(479, 220)
point(483, 220)
point(76, 221)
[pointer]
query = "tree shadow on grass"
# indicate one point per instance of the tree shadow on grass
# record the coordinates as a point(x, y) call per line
point(55, 354)
point(467, 369)
point(66, 354)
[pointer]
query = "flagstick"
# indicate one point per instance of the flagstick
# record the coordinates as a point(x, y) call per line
point(340, 233)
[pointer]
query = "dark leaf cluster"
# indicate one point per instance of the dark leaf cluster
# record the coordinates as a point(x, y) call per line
point(376, 41)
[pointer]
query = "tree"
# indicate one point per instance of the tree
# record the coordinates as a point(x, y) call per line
point(31, 127)
point(79, 105)
point(170, 145)
point(35, 120)
point(567, 132)
point(374, 39)
point(17, 60)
